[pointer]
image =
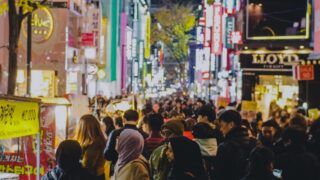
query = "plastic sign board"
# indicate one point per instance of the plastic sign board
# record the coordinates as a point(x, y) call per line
point(249, 106)
point(230, 6)
point(87, 39)
point(230, 23)
point(148, 38)
point(304, 72)
point(18, 119)
point(216, 41)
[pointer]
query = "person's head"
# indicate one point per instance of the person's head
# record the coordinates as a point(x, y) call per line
point(203, 131)
point(269, 130)
point(129, 146)
point(172, 128)
point(261, 161)
point(131, 116)
point(88, 131)
point(178, 103)
point(200, 103)
point(185, 155)
point(245, 124)
point(68, 155)
point(155, 122)
point(156, 107)
point(206, 114)
point(229, 119)
point(107, 125)
point(118, 122)
point(294, 136)
point(189, 124)
point(298, 121)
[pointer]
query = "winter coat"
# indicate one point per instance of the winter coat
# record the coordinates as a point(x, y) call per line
point(187, 163)
point(110, 152)
point(78, 173)
point(159, 163)
point(296, 164)
point(231, 160)
point(262, 177)
point(208, 147)
point(92, 159)
point(137, 169)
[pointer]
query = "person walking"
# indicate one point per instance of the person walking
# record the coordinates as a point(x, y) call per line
point(159, 163)
point(206, 138)
point(92, 141)
point(261, 165)
point(68, 167)
point(130, 120)
point(296, 162)
point(185, 156)
point(232, 154)
point(155, 139)
point(131, 165)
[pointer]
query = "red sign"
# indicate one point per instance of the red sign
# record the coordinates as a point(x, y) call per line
point(24, 163)
point(216, 39)
point(205, 75)
point(304, 72)
point(87, 39)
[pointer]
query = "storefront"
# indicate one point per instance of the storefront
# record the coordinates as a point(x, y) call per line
point(268, 77)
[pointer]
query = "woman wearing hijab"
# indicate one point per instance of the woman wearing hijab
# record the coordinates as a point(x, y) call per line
point(68, 163)
point(131, 165)
point(92, 141)
point(186, 160)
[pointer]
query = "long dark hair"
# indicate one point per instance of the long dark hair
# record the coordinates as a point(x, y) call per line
point(108, 121)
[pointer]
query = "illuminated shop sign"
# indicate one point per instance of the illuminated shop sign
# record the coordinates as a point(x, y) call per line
point(270, 61)
point(217, 29)
point(42, 25)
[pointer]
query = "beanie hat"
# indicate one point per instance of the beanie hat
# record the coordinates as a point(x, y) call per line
point(176, 126)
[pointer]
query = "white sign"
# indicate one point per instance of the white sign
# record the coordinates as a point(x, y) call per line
point(217, 29)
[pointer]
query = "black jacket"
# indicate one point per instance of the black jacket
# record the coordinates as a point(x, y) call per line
point(261, 177)
point(110, 152)
point(296, 163)
point(231, 160)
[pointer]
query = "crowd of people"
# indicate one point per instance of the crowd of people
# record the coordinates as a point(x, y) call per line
point(179, 138)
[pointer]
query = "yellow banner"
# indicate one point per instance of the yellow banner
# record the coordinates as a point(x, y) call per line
point(249, 106)
point(148, 36)
point(18, 119)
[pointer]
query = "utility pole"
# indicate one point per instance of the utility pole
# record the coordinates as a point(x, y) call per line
point(29, 56)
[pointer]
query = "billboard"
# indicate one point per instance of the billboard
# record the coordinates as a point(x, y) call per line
point(277, 20)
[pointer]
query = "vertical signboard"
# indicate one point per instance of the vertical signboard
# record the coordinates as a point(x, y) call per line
point(148, 35)
point(216, 41)
point(229, 29)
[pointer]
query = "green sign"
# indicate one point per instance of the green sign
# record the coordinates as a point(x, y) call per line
point(230, 21)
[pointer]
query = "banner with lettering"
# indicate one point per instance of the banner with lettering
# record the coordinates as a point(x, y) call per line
point(19, 154)
point(266, 61)
point(18, 119)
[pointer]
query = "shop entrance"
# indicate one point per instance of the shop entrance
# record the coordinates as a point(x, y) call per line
point(282, 90)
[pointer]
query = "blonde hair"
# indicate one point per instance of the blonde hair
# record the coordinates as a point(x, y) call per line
point(88, 131)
